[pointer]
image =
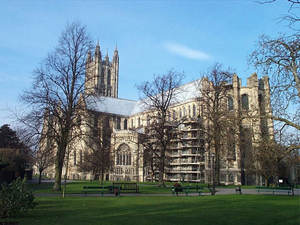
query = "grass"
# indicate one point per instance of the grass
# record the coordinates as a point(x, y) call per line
point(77, 187)
point(223, 209)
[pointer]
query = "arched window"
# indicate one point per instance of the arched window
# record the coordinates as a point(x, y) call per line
point(174, 114)
point(148, 120)
point(119, 123)
point(180, 113)
point(230, 103)
point(139, 121)
point(194, 111)
point(102, 76)
point(245, 102)
point(125, 124)
point(74, 158)
point(131, 123)
point(189, 111)
point(109, 78)
point(123, 156)
point(80, 156)
point(184, 111)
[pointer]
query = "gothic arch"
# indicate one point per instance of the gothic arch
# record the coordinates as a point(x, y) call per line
point(245, 102)
point(123, 155)
point(230, 103)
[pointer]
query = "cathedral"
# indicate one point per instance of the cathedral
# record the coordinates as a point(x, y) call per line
point(189, 158)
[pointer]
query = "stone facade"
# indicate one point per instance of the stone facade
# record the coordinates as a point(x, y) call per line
point(190, 158)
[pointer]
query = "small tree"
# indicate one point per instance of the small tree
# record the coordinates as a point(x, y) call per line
point(158, 96)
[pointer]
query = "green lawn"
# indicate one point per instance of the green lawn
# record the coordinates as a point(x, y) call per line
point(77, 187)
point(223, 209)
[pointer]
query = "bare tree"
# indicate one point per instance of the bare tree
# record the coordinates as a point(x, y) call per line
point(98, 159)
point(291, 17)
point(214, 91)
point(58, 83)
point(158, 96)
point(279, 58)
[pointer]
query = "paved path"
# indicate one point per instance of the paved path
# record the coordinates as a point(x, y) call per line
point(220, 191)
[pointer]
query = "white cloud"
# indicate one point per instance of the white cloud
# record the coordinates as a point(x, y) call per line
point(186, 52)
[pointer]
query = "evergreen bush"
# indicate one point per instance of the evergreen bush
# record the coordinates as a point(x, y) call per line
point(16, 197)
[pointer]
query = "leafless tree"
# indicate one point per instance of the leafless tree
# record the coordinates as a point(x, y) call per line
point(280, 59)
point(217, 119)
point(158, 96)
point(98, 159)
point(291, 17)
point(58, 83)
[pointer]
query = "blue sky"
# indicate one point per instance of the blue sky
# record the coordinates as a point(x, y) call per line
point(152, 37)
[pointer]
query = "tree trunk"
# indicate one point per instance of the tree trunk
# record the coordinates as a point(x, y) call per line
point(161, 170)
point(59, 162)
point(40, 176)
point(101, 177)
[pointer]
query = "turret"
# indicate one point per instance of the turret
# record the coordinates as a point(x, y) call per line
point(98, 53)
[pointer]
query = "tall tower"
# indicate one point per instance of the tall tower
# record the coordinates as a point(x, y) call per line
point(102, 76)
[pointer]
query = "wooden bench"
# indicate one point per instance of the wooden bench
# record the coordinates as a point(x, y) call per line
point(287, 190)
point(187, 190)
point(101, 190)
point(127, 186)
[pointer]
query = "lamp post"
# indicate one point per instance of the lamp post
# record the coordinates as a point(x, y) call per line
point(213, 173)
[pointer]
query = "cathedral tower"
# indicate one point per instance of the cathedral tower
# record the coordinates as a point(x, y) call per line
point(102, 76)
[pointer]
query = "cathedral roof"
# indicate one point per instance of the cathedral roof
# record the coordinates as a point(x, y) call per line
point(110, 105)
point(127, 107)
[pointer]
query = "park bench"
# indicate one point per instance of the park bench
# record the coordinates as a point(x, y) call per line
point(101, 190)
point(187, 190)
point(287, 190)
point(127, 186)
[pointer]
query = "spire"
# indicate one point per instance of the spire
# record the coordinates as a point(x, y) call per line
point(89, 57)
point(106, 57)
point(116, 55)
point(97, 51)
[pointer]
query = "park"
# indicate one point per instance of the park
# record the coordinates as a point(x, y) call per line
point(156, 205)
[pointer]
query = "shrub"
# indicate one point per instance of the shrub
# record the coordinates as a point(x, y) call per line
point(15, 197)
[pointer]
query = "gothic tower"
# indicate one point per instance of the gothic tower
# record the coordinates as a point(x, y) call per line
point(102, 76)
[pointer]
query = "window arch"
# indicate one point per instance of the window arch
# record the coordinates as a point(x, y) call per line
point(109, 78)
point(180, 113)
point(118, 123)
point(230, 103)
point(74, 152)
point(194, 111)
point(102, 77)
point(245, 102)
point(189, 111)
point(123, 156)
point(139, 121)
point(125, 124)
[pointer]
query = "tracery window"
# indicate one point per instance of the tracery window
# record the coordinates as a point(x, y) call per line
point(119, 123)
point(245, 102)
point(230, 103)
point(123, 156)
point(194, 111)
point(102, 77)
point(109, 78)
point(125, 124)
